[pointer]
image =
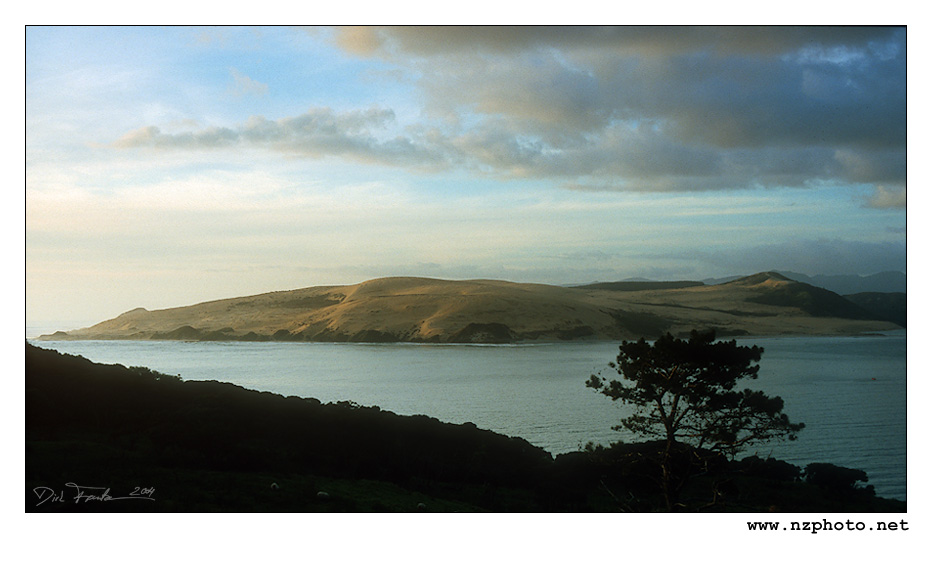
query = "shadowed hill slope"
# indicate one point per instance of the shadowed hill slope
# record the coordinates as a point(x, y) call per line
point(491, 311)
point(888, 306)
point(172, 423)
point(211, 446)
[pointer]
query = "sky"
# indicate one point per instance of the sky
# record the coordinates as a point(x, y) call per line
point(170, 166)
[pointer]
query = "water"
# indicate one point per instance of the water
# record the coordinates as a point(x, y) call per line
point(850, 391)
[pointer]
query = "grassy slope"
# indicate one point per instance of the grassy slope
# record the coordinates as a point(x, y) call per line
point(209, 446)
point(489, 311)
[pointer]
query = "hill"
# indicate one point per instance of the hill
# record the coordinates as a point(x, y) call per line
point(137, 440)
point(491, 311)
point(844, 284)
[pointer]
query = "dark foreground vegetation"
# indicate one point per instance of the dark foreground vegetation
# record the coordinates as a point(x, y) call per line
point(104, 438)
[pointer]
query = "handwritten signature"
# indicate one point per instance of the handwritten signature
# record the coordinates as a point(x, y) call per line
point(85, 494)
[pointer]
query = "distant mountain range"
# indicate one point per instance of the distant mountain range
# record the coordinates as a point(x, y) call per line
point(491, 311)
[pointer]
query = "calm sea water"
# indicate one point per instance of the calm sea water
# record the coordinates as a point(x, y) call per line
point(850, 391)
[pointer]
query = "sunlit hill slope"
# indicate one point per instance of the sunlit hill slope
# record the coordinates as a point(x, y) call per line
point(490, 311)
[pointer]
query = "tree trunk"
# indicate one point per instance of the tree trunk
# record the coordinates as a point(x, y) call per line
point(665, 474)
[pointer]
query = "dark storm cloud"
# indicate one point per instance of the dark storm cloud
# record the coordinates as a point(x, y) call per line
point(665, 108)
point(808, 103)
point(650, 40)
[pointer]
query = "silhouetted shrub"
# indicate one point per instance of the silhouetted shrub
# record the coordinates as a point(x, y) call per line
point(837, 479)
point(771, 469)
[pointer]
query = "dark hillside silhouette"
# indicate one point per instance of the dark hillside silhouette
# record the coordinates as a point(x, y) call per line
point(212, 446)
point(214, 424)
point(887, 306)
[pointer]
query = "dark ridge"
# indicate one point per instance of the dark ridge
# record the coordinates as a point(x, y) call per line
point(484, 333)
point(286, 335)
point(815, 301)
point(374, 336)
point(189, 333)
point(577, 332)
point(640, 322)
point(185, 333)
point(887, 306)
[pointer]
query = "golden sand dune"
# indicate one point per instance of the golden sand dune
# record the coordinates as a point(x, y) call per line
point(491, 311)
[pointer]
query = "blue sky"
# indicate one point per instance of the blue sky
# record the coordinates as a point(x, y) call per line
point(168, 166)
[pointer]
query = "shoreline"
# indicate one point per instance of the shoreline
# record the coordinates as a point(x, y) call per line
point(47, 337)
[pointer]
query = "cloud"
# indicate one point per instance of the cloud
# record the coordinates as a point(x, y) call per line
point(771, 105)
point(887, 197)
point(873, 165)
point(641, 40)
point(622, 108)
point(152, 136)
point(244, 85)
point(320, 132)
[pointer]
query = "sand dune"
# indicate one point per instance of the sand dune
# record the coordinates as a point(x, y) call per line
point(491, 311)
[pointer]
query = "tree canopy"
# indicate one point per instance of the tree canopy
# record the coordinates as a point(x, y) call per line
point(685, 390)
